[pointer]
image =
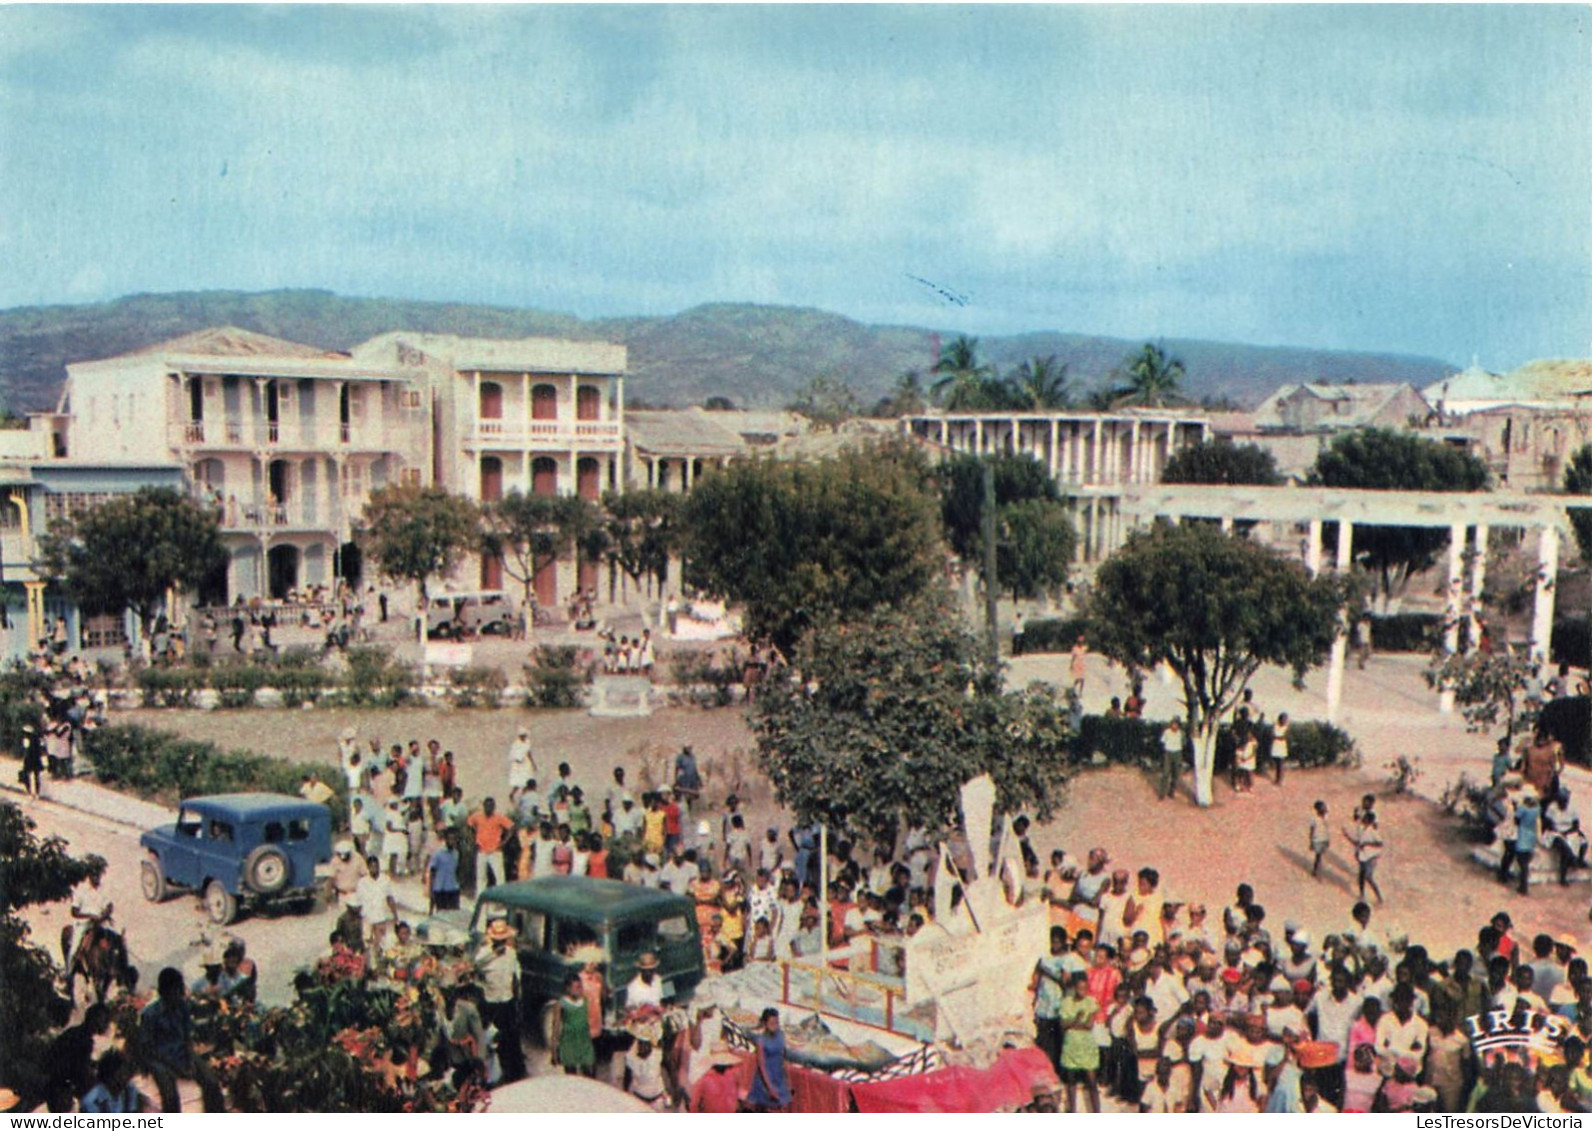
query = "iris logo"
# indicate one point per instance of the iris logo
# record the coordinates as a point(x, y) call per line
point(1525, 1030)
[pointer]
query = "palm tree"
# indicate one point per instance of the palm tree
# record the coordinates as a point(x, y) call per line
point(1040, 383)
point(1153, 379)
point(963, 376)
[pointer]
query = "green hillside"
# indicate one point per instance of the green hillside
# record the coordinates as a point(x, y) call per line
point(756, 355)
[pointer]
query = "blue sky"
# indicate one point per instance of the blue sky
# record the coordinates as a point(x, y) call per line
point(1414, 179)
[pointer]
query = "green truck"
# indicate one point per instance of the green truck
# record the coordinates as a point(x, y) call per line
point(556, 916)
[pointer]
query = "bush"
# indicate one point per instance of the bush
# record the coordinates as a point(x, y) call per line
point(476, 687)
point(169, 687)
point(375, 679)
point(1312, 743)
point(1123, 741)
point(1049, 634)
point(20, 691)
point(705, 683)
point(163, 767)
point(1572, 642)
point(299, 685)
point(237, 683)
point(1406, 632)
point(554, 681)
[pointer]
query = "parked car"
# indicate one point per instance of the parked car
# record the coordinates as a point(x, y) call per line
point(451, 616)
point(556, 914)
point(238, 851)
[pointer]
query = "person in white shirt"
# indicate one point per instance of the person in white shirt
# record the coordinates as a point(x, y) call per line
point(1402, 1033)
point(522, 763)
point(91, 905)
point(646, 988)
point(378, 907)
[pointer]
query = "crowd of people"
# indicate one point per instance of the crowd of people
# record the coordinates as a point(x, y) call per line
point(1154, 1003)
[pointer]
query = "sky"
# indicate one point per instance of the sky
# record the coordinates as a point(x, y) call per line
point(1390, 178)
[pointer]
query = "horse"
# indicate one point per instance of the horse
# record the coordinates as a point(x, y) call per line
point(101, 959)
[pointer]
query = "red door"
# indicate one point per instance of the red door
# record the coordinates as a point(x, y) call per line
point(491, 572)
point(491, 479)
point(588, 479)
point(545, 585)
point(544, 403)
point(588, 403)
point(544, 477)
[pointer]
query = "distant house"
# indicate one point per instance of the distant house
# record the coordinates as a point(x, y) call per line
point(1336, 408)
point(1527, 423)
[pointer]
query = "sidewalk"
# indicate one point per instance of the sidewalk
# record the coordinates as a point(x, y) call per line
point(85, 796)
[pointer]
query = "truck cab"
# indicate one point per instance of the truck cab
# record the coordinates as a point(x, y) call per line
point(555, 915)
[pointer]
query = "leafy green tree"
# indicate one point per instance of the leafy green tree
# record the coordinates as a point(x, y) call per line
point(827, 401)
point(127, 552)
point(719, 404)
point(1578, 481)
point(1225, 463)
point(1150, 379)
point(1040, 383)
point(32, 871)
point(416, 533)
point(798, 544)
point(1379, 459)
point(529, 531)
point(640, 530)
point(892, 712)
point(1488, 686)
point(1034, 546)
point(1034, 532)
point(1213, 607)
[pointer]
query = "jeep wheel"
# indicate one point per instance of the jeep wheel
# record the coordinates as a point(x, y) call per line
point(153, 880)
point(266, 869)
point(221, 904)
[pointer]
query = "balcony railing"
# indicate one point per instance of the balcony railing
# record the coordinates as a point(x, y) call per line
point(505, 433)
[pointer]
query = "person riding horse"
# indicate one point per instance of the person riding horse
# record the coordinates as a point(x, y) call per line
point(101, 959)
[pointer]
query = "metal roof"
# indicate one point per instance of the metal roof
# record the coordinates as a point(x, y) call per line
point(586, 899)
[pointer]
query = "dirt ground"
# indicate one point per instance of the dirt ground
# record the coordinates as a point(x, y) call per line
point(1434, 893)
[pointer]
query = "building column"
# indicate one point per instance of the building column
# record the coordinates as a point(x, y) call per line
point(1092, 542)
point(1313, 547)
point(1547, 576)
point(978, 436)
point(1478, 579)
point(1340, 639)
point(1452, 605)
point(1227, 524)
point(1135, 457)
point(1055, 439)
point(35, 599)
point(1017, 438)
point(1094, 454)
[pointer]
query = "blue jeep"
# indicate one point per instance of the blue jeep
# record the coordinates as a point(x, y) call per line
point(239, 849)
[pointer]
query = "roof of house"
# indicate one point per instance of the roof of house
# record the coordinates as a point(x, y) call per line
point(1359, 405)
point(1548, 381)
point(683, 432)
point(232, 341)
point(508, 355)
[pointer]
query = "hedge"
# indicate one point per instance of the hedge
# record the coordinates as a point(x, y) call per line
point(1572, 642)
point(1049, 634)
point(1125, 741)
point(1406, 632)
point(165, 767)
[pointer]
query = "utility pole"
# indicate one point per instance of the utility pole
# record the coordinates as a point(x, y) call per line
point(991, 591)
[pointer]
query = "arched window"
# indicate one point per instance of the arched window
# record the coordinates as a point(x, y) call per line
point(491, 407)
point(544, 476)
point(588, 479)
point(491, 481)
point(544, 403)
point(588, 403)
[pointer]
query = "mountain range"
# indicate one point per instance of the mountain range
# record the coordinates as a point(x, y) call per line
point(757, 356)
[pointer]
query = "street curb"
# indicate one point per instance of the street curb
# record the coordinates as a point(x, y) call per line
point(87, 797)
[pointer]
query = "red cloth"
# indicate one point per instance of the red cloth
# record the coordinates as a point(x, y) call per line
point(817, 1093)
point(1007, 1083)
